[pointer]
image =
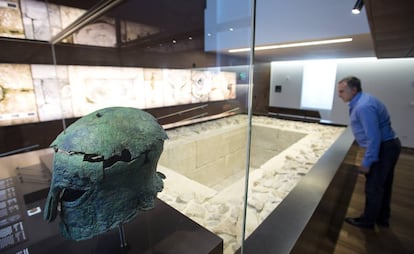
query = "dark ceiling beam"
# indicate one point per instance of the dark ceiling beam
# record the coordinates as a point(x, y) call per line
point(392, 27)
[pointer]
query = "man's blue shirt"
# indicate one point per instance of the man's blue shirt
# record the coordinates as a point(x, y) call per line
point(370, 124)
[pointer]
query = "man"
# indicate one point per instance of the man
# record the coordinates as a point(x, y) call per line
point(372, 130)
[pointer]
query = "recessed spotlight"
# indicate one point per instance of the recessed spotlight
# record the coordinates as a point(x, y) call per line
point(231, 29)
point(358, 6)
point(174, 41)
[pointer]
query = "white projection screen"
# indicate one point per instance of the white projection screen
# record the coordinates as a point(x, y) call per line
point(318, 85)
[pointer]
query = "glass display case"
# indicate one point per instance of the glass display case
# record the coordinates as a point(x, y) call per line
point(227, 165)
point(161, 57)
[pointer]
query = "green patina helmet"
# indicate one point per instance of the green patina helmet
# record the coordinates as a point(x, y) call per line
point(104, 171)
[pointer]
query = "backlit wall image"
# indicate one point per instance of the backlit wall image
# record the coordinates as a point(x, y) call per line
point(32, 93)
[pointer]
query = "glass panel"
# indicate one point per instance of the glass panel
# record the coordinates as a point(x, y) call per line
point(170, 59)
point(187, 63)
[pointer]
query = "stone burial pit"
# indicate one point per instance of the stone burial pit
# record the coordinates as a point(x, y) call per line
point(217, 158)
point(205, 170)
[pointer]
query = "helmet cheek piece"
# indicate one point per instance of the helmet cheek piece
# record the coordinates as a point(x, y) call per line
point(94, 195)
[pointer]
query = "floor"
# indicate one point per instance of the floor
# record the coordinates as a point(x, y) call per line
point(399, 237)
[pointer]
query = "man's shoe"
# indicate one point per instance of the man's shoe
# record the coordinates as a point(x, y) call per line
point(359, 222)
point(383, 223)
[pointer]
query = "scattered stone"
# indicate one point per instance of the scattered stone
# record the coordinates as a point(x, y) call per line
point(222, 211)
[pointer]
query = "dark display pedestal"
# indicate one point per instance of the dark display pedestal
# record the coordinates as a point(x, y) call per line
point(160, 230)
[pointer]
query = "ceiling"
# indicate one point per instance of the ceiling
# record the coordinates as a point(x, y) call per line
point(361, 46)
point(391, 24)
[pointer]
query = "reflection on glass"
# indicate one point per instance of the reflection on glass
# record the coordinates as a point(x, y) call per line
point(149, 56)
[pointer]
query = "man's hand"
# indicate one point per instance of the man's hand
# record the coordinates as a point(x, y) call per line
point(363, 170)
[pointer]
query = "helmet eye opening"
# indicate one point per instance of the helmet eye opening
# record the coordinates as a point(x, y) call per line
point(70, 195)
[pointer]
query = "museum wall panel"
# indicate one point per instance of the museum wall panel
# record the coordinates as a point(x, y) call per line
point(376, 76)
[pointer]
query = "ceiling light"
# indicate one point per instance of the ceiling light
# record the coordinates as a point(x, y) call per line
point(291, 45)
point(358, 6)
